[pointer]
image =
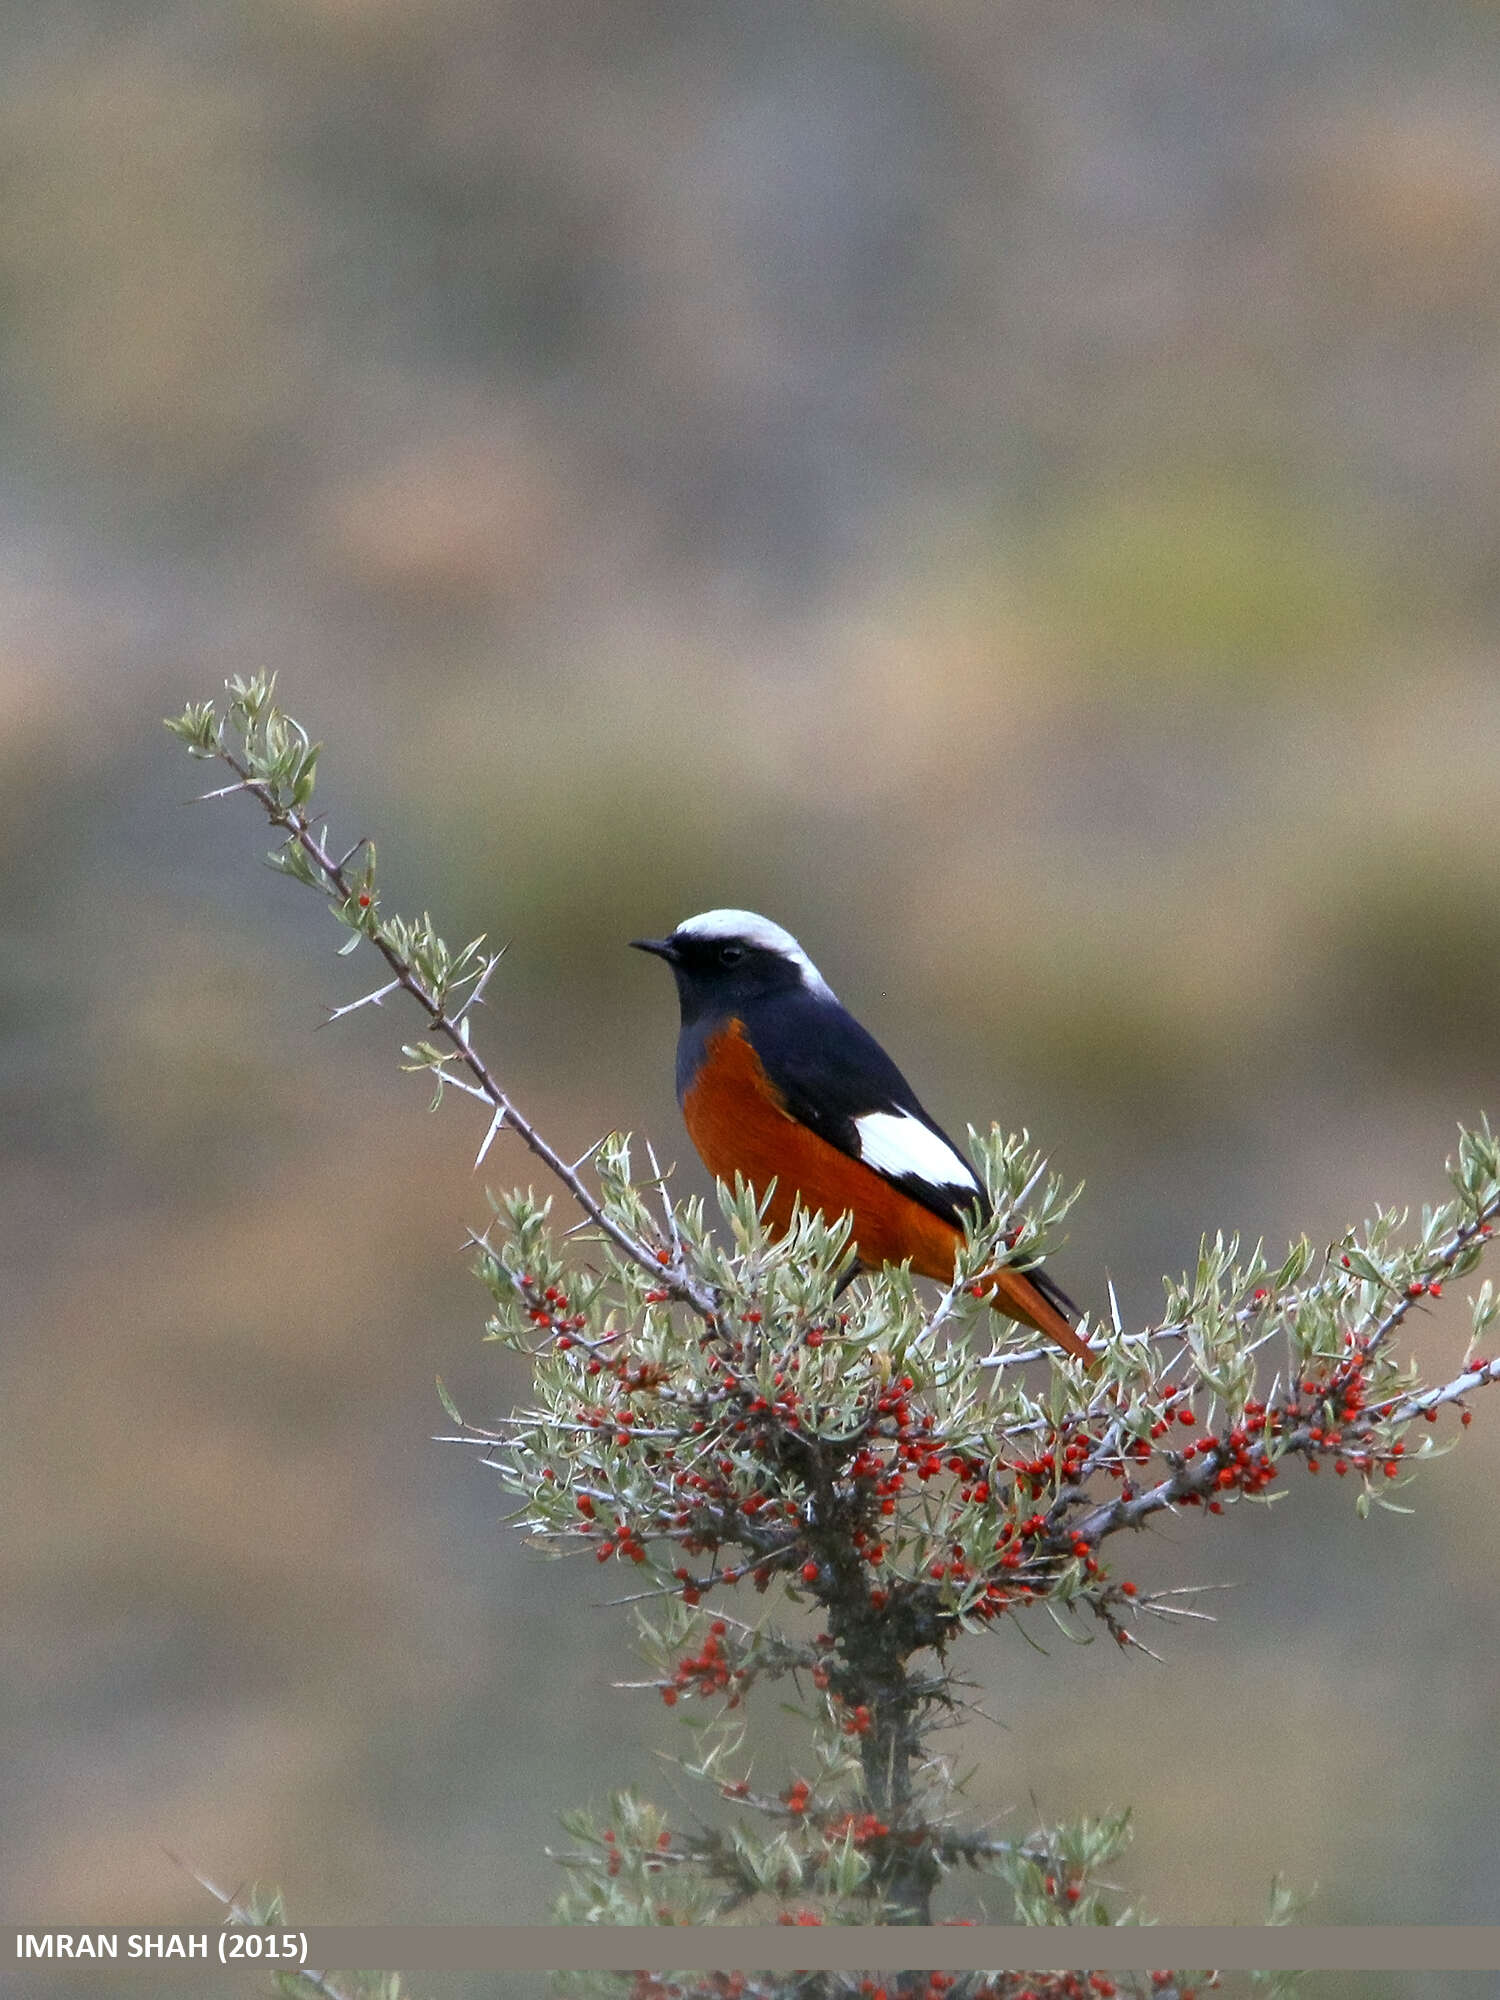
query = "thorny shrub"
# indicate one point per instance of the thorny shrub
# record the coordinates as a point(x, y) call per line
point(832, 1490)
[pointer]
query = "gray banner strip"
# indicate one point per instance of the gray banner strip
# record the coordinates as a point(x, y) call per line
point(774, 1948)
point(949, 1948)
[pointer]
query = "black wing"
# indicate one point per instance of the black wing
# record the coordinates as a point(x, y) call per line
point(831, 1072)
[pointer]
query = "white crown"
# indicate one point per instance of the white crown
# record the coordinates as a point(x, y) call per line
point(748, 928)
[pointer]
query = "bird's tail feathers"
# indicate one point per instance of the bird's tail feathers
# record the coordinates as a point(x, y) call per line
point(1036, 1300)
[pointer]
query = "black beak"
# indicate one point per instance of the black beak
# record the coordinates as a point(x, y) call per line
point(658, 947)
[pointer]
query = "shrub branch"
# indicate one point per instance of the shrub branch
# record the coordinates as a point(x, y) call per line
point(283, 794)
point(711, 1408)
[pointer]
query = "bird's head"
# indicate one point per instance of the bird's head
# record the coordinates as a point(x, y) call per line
point(724, 959)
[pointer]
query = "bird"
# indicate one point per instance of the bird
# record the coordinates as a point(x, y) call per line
point(780, 1084)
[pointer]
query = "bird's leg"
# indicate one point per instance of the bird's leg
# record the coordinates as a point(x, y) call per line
point(846, 1277)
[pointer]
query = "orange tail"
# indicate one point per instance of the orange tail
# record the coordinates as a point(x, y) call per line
point(1017, 1294)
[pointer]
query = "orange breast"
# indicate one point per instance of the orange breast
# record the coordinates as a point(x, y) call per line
point(737, 1121)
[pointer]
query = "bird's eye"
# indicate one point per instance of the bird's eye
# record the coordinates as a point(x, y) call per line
point(731, 954)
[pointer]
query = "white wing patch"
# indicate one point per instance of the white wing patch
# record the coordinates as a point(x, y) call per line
point(751, 929)
point(895, 1143)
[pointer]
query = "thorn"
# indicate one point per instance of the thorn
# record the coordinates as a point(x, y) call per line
point(476, 996)
point(1188, 1590)
point(496, 1123)
point(1014, 1357)
point(586, 1155)
point(452, 1082)
point(1140, 1644)
point(1037, 1175)
point(229, 1899)
point(375, 999)
point(666, 1202)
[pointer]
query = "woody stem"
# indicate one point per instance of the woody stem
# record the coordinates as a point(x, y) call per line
point(907, 1871)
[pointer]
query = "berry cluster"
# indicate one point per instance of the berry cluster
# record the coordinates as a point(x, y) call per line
point(707, 1671)
point(745, 1461)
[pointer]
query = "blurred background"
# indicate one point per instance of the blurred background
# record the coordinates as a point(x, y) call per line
point(1008, 489)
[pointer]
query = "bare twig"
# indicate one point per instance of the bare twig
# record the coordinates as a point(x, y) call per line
point(672, 1276)
point(238, 1912)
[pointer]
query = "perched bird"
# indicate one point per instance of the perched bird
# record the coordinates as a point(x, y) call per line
point(777, 1082)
